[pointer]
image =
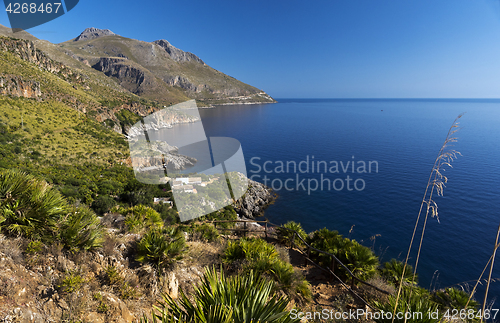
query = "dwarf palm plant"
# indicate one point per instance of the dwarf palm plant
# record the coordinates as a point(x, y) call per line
point(219, 299)
point(290, 230)
point(262, 258)
point(161, 247)
point(395, 270)
point(29, 207)
point(82, 230)
point(454, 298)
point(410, 306)
point(361, 260)
point(139, 217)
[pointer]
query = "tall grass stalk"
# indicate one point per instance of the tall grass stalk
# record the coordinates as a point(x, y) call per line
point(435, 184)
point(489, 275)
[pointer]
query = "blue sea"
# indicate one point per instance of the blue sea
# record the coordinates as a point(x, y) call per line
point(378, 206)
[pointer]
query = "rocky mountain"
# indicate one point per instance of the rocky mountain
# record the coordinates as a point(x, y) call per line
point(155, 71)
point(92, 33)
point(152, 69)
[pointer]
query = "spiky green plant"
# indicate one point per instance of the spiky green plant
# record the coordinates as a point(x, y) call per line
point(262, 258)
point(416, 304)
point(393, 271)
point(207, 232)
point(81, 230)
point(361, 260)
point(290, 230)
point(141, 217)
point(219, 299)
point(161, 247)
point(328, 241)
point(29, 207)
point(454, 298)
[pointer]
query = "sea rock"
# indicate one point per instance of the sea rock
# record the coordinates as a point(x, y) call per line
point(255, 200)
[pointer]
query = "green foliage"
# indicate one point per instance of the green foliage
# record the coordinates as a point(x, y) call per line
point(71, 282)
point(128, 292)
point(393, 271)
point(286, 232)
point(360, 260)
point(103, 204)
point(127, 118)
point(81, 230)
point(112, 276)
point(34, 247)
point(262, 258)
point(102, 307)
point(226, 214)
point(206, 232)
point(418, 302)
point(161, 248)
point(168, 214)
point(29, 207)
point(454, 298)
point(328, 241)
point(140, 217)
point(240, 299)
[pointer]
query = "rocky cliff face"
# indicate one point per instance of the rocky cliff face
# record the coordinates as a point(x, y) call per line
point(26, 50)
point(176, 54)
point(16, 86)
point(255, 200)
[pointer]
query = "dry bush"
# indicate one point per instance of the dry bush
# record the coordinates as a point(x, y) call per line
point(12, 248)
point(370, 293)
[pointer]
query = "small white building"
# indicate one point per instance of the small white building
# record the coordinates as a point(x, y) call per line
point(158, 200)
point(194, 181)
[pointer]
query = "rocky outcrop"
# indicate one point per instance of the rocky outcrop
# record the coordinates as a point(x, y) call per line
point(120, 69)
point(176, 54)
point(92, 33)
point(16, 86)
point(184, 83)
point(255, 200)
point(165, 119)
point(27, 51)
point(171, 159)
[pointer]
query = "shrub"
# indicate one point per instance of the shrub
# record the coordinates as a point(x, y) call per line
point(419, 303)
point(286, 232)
point(112, 276)
point(207, 232)
point(81, 230)
point(328, 241)
point(237, 299)
point(141, 217)
point(102, 204)
point(360, 260)
point(454, 298)
point(34, 247)
point(29, 207)
point(161, 248)
point(393, 271)
point(71, 282)
point(262, 258)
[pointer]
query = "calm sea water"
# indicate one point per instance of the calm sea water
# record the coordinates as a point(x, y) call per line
point(403, 138)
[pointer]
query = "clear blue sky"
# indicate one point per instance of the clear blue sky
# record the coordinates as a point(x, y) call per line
point(318, 49)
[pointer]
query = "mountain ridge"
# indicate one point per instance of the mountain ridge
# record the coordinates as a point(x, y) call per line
point(170, 75)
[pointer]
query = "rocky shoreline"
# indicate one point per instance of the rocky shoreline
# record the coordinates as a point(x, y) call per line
point(253, 203)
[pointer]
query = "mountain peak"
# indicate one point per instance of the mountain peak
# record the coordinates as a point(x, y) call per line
point(177, 54)
point(92, 33)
